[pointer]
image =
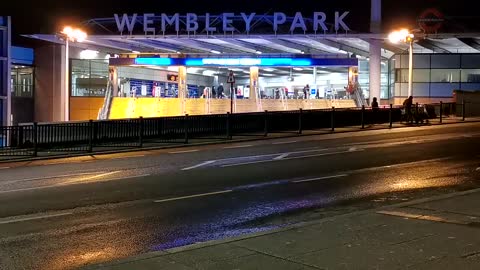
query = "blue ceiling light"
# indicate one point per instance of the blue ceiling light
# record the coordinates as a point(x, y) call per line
point(153, 61)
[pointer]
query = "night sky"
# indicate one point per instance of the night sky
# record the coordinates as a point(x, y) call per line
point(34, 16)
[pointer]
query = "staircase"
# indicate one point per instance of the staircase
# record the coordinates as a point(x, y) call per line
point(104, 112)
point(359, 97)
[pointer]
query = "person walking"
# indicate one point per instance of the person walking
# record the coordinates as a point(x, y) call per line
point(407, 105)
point(306, 91)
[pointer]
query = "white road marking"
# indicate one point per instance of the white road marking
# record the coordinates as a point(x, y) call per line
point(352, 149)
point(8, 220)
point(99, 175)
point(478, 169)
point(400, 165)
point(286, 142)
point(288, 158)
point(193, 196)
point(238, 146)
point(281, 156)
point(199, 165)
point(184, 151)
point(320, 178)
point(3, 168)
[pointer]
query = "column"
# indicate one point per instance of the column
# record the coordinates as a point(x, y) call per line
point(315, 86)
point(113, 73)
point(375, 50)
point(5, 76)
point(182, 87)
point(253, 82)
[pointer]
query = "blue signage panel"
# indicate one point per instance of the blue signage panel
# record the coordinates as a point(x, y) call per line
point(236, 62)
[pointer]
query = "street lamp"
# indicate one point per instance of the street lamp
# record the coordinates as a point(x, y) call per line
point(74, 35)
point(406, 36)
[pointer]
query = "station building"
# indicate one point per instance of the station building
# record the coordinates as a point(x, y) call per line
point(150, 65)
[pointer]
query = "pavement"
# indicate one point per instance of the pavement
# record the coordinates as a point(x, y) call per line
point(441, 232)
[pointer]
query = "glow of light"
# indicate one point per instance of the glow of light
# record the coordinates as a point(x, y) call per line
point(296, 68)
point(399, 36)
point(153, 61)
point(215, 52)
point(88, 54)
point(137, 52)
point(74, 34)
point(258, 52)
point(208, 72)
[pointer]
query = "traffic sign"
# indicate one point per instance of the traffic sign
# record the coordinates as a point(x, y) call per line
point(231, 77)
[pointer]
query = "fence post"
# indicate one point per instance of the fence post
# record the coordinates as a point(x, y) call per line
point(186, 128)
point(300, 128)
point(390, 118)
point(363, 116)
point(332, 122)
point(140, 132)
point(35, 139)
point(229, 131)
point(265, 126)
point(416, 113)
point(463, 109)
point(441, 111)
point(90, 136)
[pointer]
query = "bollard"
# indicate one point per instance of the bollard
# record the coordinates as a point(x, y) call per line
point(265, 124)
point(441, 111)
point(333, 119)
point(140, 132)
point(463, 109)
point(390, 119)
point(300, 121)
point(35, 137)
point(363, 116)
point(229, 132)
point(90, 136)
point(416, 113)
point(185, 126)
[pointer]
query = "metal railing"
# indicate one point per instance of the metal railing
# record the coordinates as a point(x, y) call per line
point(99, 135)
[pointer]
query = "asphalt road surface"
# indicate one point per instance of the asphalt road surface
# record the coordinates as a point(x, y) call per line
point(68, 213)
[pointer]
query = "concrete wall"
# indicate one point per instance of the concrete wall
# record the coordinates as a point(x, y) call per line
point(85, 108)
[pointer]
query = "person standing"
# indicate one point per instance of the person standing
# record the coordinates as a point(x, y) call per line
point(306, 91)
point(220, 91)
point(375, 109)
point(407, 105)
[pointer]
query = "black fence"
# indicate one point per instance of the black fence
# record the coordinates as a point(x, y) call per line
point(89, 136)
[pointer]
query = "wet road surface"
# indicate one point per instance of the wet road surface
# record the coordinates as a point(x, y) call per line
point(67, 213)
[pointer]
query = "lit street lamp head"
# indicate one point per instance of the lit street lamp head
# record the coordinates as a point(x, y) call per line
point(74, 34)
point(401, 35)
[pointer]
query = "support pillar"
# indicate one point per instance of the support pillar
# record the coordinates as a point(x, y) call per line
point(254, 85)
point(182, 88)
point(5, 75)
point(114, 79)
point(315, 81)
point(375, 63)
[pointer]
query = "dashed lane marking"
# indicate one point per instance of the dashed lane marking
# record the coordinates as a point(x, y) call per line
point(28, 218)
point(3, 168)
point(193, 196)
point(320, 178)
point(282, 156)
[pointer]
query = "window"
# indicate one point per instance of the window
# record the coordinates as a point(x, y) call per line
point(471, 75)
point(445, 75)
point(89, 77)
point(22, 81)
point(421, 75)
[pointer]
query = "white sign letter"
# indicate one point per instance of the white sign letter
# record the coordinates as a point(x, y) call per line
point(278, 18)
point(339, 21)
point(248, 20)
point(147, 21)
point(130, 24)
point(226, 21)
point(192, 19)
point(170, 21)
point(207, 24)
point(319, 19)
point(298, 22)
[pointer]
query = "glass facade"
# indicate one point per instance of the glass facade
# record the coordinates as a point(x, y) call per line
point(364, 78)
point(435, 75)
point(22, 81)
point(89, 78)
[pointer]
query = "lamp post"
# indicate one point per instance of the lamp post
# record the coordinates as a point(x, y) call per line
point(407, 37)
point(69, 34)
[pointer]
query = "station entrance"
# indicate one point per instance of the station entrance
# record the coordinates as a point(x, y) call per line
point(155, 86)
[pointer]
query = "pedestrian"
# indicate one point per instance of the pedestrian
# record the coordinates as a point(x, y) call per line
point(375, 110)
point(407, 106)
point(220, 91)
point(306, 90)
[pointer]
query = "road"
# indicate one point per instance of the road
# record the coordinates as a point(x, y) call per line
point(71, 212)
